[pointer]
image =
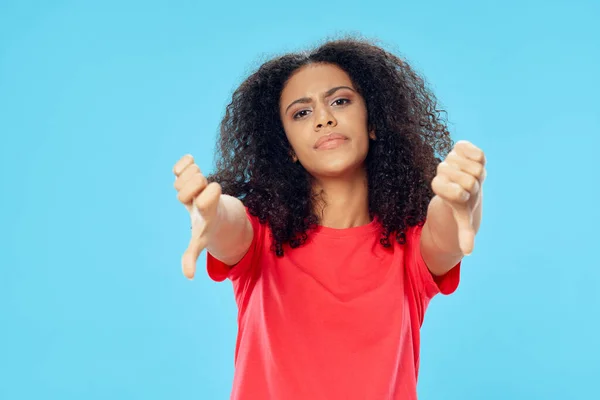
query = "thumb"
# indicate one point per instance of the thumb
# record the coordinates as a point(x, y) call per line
point(191, 254)
point(202, 211)
point(466, 233)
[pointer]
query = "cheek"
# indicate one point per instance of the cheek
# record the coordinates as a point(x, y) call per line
point(294, 139)
point(363, 147)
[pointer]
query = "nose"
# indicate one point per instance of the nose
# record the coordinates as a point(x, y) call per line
point(324, 119)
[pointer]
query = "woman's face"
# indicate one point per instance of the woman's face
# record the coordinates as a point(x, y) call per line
point(325, 121)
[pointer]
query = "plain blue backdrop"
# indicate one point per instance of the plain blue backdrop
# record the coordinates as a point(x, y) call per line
point(98, 100)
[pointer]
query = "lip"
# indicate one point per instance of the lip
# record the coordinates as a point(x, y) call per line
point(329, 137)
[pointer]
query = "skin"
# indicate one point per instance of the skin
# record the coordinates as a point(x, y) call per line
point(219, 222)
point(318, 100)
point(454, 214)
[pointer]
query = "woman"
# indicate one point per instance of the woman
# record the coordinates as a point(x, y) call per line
point(335, 220)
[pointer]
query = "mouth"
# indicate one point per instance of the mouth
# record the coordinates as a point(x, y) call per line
point(330, 141)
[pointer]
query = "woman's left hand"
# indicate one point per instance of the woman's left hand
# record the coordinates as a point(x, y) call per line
point(459, 182)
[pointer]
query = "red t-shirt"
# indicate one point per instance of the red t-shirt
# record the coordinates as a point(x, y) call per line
point(337, 318)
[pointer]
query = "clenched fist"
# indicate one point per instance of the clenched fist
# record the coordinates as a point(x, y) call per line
point(459, 182)
point(201, 200)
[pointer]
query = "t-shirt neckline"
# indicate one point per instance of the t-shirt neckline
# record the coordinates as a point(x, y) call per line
point(348, 232)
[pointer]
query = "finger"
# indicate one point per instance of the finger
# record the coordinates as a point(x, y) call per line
point(467, 165)
point(191, 254)
point(208, 200)
point(466, 234)
point(450, 191)
point(469, 150)
point(185, 176)
point(453, 174)
point(192, 188)
point(182, 164)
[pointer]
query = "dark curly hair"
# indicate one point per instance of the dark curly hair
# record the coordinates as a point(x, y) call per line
point(253, 153)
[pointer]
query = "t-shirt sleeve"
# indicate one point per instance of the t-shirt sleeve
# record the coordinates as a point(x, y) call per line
point(428, 284)
point(219, 271)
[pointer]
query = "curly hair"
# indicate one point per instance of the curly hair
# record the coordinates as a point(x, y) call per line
point(253, 160)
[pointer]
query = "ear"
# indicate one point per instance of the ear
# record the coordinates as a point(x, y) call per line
point(294, 156)
point(372, 135)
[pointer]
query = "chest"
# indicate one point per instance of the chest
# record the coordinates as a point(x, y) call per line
point(334, 286)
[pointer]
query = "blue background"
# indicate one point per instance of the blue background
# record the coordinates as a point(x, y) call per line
point(98, 100)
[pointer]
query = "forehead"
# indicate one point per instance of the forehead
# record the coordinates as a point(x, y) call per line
point(314, 79)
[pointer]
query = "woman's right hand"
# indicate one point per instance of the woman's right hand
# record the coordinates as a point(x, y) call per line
point(201, 200)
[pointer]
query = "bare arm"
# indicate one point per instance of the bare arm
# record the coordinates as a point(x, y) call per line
point(219, 222)
point(454, 213)
point(440, 246)
point(232, 234)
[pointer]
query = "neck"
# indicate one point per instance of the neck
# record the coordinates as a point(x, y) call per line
point(343, 203)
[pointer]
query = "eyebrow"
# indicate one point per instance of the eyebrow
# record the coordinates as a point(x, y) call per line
point(327, 94)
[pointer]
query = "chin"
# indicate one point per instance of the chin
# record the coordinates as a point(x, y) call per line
point(336, 168)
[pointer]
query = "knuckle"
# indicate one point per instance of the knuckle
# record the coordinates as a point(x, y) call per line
point(477, 153)
point(443, 166)
point(459, 194)
point(464, 145)
point(191, 169)
point(182, 164)
point(199, 180)
point(471, 183)
point(453, 156)
point(478, 169)
point(182, 197)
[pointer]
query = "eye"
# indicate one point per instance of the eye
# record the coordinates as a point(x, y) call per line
point(300, 114)
point(340, 102)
